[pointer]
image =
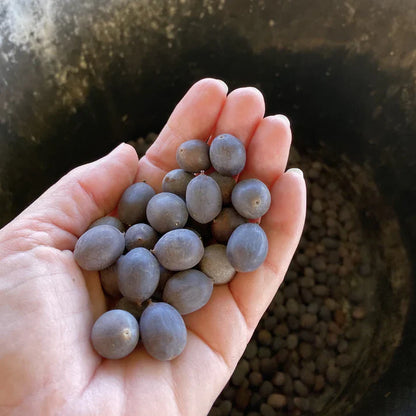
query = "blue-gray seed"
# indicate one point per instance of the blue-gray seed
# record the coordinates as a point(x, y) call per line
point(115, 334)
point(188, 291)
point(163, 331)
point(138, 274)
point(251, 198)
point(227, 154)
point(247, 247)
point(133, 203)
point(203, 199)
point(179, 250)
point(99, 247)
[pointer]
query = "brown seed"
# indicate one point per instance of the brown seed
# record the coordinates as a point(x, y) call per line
point(240, 372)
point(300, 388)
point(344, 360)
point(331, 304)
point(281, 330)
point(319, 383)
point(277, 401)
point(279, 379)
point(255, 378)
point(301, 403)
point(307, 377)
point(225, 223)
point(332, 339)
point(288, 385)
point(264, 337)
point(307, 320)
point(266, 389)
point(292, 306)
point(322, 362)
point(342, 346)
point(268, 366)
point(332, 374)
point(267, 410)
point(242, 398)
point(305, 350)
point(226, 184)
point(359, 312)
point(292, 341)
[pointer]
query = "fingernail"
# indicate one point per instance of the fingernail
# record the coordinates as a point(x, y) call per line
point(284, 119)
point(223, 84)
point(116, 149)
point(296, 171)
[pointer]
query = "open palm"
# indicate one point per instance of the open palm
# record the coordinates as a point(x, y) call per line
point(48, 304)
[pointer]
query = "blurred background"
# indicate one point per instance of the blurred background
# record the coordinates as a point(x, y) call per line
point(78, 77)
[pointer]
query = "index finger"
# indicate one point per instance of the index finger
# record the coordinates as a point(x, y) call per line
point(193, 118)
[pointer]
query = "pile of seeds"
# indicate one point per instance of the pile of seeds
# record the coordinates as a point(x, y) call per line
point(307, 344)
point(161, 256)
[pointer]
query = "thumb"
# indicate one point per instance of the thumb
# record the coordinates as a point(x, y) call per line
point(60, 215)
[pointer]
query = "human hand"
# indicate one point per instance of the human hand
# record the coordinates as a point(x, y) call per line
point(48, 304)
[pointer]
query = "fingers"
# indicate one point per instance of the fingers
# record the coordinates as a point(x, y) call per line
point(268, 150)
point(193, 118)
point(283, 225)
point(66, 209)
point(242, 112)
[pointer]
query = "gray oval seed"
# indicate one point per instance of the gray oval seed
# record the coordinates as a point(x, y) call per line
point(227, 154)
point(115, 334)
point(138, 274)
point(179, 250)
point(251, 198)
point(176, 182)
point(163, 331)
point(109, 280)
point(203, 199)
point(166, 212)
point(188, 291)
point(141, 235)
point(108, 220)
point(193, 156)
point(99, 247)
point(133, 203)
point(247, 247)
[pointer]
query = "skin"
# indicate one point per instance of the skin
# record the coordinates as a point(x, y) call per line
point(48, 304)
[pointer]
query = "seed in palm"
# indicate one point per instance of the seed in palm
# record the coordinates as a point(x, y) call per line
point(251, 198)
point(138, 274)
point(133, 203)
point(141, 235)
point(227, 154)
point(108, 220)
point(163, 331)
point(99, 247)
point(215, 264)
point(226, 184)
point(166, 212)
point(247, 247)
point(203, 199)
point(193, 156)
point(179, 250)
point(176, 182)
point(188, 291)
point(109, 280)
point(115, 334)
point(223, 226)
